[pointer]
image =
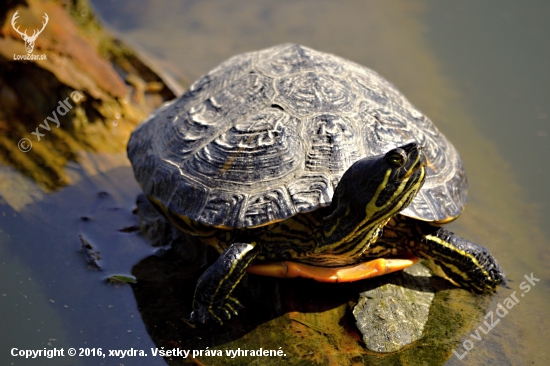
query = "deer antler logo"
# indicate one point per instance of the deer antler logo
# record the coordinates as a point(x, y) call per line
point(29, 41)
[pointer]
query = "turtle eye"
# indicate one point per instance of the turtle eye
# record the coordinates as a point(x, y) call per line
point(396, 157)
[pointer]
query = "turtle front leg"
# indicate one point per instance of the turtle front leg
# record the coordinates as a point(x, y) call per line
point(213, 301)
point(466, 263)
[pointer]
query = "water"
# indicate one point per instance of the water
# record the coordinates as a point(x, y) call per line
point(494, 53)
point(496, 57)
point(479, 70)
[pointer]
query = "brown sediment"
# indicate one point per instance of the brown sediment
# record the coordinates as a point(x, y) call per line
point(116, 90)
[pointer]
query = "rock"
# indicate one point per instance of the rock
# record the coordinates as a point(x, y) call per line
point(81, 90)
point(394, 315)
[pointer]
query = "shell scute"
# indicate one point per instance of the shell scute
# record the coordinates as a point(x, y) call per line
point(292, 59)
point(187, 194)
point(311, 92)
point(222, 208)
point(268, 206)
point(332, 144)
point(310, 191)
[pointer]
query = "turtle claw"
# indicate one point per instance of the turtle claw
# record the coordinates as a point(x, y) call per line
point(210, 313)
point(233, 305)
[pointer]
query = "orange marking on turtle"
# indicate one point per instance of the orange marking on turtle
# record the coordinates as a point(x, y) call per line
point(361, 271)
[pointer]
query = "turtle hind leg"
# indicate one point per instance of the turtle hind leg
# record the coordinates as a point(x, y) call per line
point(213, 302)
point(466, 263)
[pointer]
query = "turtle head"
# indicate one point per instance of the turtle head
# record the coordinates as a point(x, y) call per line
point(389, 182)
point(376, 188)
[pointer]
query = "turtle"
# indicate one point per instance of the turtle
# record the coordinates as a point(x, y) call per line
point(292, 162)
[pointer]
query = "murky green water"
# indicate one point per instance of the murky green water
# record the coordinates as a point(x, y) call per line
point(479, 70)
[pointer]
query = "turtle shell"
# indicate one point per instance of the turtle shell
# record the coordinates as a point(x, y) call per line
point(269, 134)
